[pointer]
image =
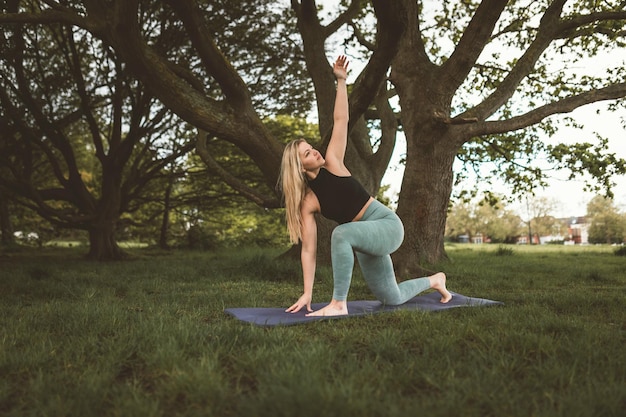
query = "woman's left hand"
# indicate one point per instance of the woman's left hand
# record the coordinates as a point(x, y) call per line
point(303, 301)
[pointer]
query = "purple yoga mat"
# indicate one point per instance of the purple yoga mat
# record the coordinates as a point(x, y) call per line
point(275, 316)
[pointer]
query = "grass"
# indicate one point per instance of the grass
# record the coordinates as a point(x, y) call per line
point(148, 337)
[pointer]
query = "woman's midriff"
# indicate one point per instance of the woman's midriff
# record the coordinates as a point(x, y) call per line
point(362, 212)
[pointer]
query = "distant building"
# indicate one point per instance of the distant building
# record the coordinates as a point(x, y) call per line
point(577, 234)
point(478, 238)
point(523, 239)
point(551, 238)
point(578, 230)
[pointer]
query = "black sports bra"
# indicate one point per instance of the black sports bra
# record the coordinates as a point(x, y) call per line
point(341, 198)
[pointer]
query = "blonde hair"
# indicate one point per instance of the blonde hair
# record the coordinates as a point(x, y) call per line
point(292, 182)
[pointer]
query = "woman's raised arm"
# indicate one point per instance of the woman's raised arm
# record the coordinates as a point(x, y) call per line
point(336, 150)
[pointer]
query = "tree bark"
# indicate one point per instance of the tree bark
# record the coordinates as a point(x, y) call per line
point(102, 240)
point(6, 227)
point(165, 220)
point(102, 243)
point(422, 206)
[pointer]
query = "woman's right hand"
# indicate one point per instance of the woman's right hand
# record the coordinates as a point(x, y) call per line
point(303, 301)
point(340, 67)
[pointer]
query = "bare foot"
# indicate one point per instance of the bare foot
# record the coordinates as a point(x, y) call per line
point(438, 282)
point(335, 308)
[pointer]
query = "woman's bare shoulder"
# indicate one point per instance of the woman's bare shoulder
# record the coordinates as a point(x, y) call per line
point(310, 203)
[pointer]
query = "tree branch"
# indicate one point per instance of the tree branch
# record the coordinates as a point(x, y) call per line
point(344, 18)
point(472, 43)
point(231, 180)
point(212, 58)
point(389, 130)
point(568, 25)
point(360, 37)
point(548, 29)
point(85, 106)
point(566, 105)
point(231, 120)
point(60, 14)
point(392, 23)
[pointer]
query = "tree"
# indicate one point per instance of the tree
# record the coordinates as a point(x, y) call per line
point(482, 80)
point(475, 80)
point(607, 225)
point(6, 223)
point(538, 219)
point(492, 221)
point(207, 90)
point(83, 138)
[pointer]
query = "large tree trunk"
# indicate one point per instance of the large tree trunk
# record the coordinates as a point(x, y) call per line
point(102, 243)
point(425, 95)
point(165, 221)
point(422, 206)
point(6, 227)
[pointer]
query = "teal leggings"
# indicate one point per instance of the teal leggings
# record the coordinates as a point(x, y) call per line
point(373, 238)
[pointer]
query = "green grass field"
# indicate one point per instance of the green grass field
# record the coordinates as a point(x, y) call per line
point(148, 337)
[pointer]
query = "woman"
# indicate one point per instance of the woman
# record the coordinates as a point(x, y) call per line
point(312, 183)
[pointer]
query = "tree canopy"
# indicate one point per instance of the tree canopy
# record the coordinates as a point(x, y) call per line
point(81, 138)
point(483, 81)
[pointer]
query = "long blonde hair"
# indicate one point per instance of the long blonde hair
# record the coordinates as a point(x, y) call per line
point(292, 182)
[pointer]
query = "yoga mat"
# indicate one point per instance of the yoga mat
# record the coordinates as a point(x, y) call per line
point(275, 316)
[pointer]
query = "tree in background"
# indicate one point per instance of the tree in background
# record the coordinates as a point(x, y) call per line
point(538, 220)
point(607, 224)
point(230, 64)
point(494, 222)
point(6, 222)
point(82, 137)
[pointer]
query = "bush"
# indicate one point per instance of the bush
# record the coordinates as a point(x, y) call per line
point(200, 238)
point(621, 251)
point(504, 251)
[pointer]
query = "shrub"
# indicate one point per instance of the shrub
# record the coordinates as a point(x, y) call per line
point(200, 238)
point(621, 251)
point(504, 251)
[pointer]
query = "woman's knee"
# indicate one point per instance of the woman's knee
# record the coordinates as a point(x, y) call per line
point(393, 236)
point(338, 235)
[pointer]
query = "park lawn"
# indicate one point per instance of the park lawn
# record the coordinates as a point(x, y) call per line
point(149, 337)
